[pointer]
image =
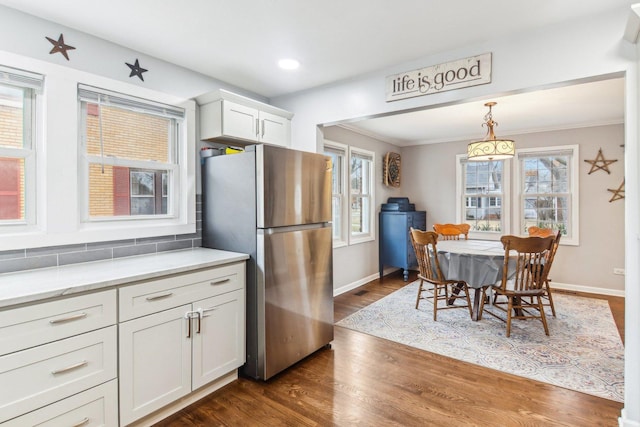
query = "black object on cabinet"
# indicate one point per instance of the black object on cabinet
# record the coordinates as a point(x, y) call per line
point(396, 249)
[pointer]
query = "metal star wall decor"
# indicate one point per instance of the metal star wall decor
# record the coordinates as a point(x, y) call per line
point(136, 69)
point(617, 193)
point(60, 46)
point(600, 159)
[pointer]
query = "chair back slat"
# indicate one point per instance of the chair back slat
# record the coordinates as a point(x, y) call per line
point(531, 258)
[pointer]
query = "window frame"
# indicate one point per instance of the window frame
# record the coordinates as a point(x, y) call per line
point(355, 238)
point(172, 166)
point(573, 238)
point(505, 205)
point(32, 83)
point(348, 237)
point(342, 239)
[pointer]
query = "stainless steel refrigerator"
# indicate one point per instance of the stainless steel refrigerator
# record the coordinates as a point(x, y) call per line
point(274, 204)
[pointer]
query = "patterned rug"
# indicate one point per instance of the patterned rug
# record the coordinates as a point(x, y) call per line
point(583, 352)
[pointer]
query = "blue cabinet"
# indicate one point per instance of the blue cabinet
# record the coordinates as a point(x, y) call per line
point(395, 243)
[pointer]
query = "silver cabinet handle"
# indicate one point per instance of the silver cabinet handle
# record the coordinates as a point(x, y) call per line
point(70, 368)
point(262, 135)
point(68, 318)
point(220, 282)
point(81, 423)
point(157, 297)
point(257, 127)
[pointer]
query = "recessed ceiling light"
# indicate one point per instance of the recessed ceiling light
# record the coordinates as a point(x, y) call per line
point(288, 64)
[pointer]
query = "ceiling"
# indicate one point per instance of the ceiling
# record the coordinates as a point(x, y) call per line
point(240, 41)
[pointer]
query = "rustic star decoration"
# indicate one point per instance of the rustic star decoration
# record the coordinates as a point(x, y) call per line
point(595, 166)
point(136, 69)
point(617, 193)
point(60, 46)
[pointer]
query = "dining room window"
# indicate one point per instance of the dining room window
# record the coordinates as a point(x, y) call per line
point(353, 186)
point(548, 190)
point(482, 196)
point(361, 167)
point(19, 97)
point(130, 151)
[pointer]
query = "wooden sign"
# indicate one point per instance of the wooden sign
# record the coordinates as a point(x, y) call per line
point(466, 72)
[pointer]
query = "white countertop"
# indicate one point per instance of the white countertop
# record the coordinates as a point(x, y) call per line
point(34, 285)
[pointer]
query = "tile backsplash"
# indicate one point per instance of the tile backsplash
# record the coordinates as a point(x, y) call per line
point(52, 256)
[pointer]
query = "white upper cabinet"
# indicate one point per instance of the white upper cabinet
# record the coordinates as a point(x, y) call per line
point(240, 119)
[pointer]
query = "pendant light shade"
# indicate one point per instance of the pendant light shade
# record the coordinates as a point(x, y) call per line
point(490, 148)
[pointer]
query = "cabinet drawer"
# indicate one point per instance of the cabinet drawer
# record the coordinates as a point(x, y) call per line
point(97, 406)
point(42, 375)
point(25, 327)
point(156, 295)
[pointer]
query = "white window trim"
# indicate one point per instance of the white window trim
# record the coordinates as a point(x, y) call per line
point(30, 155)
point(343, 240)
point(574, 238)
point(506, 201)
point(371, 235)
point(59, 209)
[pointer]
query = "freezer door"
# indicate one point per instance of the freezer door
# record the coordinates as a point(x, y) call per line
point(298, 295)
point(293, 187)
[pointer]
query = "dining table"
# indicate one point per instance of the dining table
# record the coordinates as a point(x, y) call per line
point(477, 262)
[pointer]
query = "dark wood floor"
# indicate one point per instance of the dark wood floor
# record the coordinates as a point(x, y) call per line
point(368, 381)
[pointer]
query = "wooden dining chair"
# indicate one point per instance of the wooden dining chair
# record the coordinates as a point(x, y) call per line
point(452, 231)
point(450, 291)
point(546, 232)
point(525, 289)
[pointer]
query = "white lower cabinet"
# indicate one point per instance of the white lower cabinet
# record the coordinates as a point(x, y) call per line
point(67, 362)
point(166, 355)
point(95, 407)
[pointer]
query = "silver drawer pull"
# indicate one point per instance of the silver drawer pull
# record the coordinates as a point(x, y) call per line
point(81, 423)
point(220, 282)
point(68, 318)
point(157, 297)
point(69, 368)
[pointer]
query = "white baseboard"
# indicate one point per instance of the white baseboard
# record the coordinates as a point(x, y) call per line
point(350, 286)
point(587, 289)
point(623, 421)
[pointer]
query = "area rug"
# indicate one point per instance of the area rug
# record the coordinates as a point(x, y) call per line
point(584, 351)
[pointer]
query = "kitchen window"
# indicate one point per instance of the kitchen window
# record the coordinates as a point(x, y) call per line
point(130, 151)
point(352, 193)
point(548, 190)
point(483, 192)
point(19, 100)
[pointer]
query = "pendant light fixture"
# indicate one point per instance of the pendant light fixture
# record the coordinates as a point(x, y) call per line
point(490, 148)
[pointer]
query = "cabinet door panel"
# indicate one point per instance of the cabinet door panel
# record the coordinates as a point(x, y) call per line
point(219, 344)
point(239, 121)
point(274, 129)
point(155, 362)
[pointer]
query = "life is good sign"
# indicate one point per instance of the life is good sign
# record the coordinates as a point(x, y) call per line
point(472, 71)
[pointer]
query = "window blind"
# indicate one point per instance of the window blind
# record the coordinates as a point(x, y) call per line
point(114, 99)
point(21, 78)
